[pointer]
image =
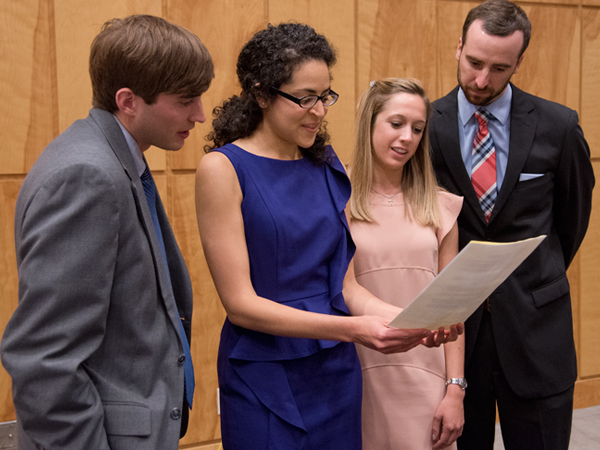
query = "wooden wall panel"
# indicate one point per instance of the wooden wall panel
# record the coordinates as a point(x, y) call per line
point(335, 20)
point(396, 39)
point(587, 393)
point(209, 446)
point(590, 79)
point(28, 83)
point(449, 19)
point(589, 356)
point(9, 190)
point(224, 27)
point(551, 67)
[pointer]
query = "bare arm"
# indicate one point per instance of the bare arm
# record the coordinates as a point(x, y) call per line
point(449, 418)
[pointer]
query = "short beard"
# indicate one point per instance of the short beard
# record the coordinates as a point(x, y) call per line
point(479, 101)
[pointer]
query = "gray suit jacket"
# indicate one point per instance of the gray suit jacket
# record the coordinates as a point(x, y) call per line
point(531, 310)
point(93, 347)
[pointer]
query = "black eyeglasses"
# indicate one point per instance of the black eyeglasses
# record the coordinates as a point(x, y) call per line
point(309, 101)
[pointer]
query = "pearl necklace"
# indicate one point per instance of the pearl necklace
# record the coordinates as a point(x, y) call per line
point(389, 197)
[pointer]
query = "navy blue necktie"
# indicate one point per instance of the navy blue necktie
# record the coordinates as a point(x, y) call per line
point(188, 368)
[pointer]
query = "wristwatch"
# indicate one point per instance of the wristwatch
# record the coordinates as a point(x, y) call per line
point(462, 382)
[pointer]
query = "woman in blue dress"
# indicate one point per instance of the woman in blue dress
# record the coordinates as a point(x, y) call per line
point(270, 201)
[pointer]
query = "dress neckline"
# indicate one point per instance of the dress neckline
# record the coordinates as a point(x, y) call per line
point(266, 157)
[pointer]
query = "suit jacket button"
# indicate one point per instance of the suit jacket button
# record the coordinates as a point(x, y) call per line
point(176, 414)
point(181, 360)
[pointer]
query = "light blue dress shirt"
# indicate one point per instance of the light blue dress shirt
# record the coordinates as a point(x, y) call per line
point(499, 128)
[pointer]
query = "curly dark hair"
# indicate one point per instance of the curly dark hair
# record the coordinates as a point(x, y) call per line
point(269, 60)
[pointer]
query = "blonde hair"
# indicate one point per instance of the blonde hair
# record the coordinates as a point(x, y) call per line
point(419, 185)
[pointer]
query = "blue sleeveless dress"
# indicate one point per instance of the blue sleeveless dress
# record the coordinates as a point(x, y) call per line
point(280, 393)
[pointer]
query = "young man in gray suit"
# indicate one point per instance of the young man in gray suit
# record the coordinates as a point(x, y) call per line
point(98, 348)
point(523, 167)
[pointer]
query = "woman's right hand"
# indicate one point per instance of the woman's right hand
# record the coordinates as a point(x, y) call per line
point(375, 334)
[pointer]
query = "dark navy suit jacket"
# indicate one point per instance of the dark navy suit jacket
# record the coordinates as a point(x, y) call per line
point(531, 310)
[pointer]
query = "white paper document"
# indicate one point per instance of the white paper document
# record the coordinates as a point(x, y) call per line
point(465, 283)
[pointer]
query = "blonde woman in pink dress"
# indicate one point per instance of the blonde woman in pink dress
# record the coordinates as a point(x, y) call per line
point(404, 227)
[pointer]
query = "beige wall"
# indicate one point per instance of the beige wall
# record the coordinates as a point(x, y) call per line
point(44, 86)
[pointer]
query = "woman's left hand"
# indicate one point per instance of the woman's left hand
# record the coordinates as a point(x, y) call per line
point(442, 336)
point(449, 418)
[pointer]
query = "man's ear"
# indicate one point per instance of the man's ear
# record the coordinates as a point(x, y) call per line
point(519, 63)
point(125, 99)
point(459, 48)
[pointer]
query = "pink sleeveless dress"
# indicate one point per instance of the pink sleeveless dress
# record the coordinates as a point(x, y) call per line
point(396, 259)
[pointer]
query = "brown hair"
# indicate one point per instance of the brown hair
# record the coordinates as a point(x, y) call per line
point(419, 186)
point(150, 56)
point(500, 18)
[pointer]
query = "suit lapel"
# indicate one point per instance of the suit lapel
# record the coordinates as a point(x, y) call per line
point(446, 130)
point(114, 135)
point(522, 130)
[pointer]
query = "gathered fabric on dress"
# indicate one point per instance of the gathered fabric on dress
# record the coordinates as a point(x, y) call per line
point(279, 392)
point(396, 258)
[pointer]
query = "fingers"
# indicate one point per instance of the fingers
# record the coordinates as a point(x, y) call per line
point(453, 334)
point(455, 331)
point(448, 432)
point(435, 339)
point(447, 437)
point(378, 336)
point(429, 341)
point(399, 341)
point(436, 429)
point(442, 336)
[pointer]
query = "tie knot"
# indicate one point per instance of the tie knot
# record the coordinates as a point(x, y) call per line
point(146, 175)
point(483, 115)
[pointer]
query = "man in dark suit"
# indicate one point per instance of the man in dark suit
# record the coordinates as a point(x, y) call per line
point(523, 167)
point(98, 347)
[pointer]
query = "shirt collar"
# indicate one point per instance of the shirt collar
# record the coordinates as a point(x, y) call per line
point(499, 108)
point(136, 153)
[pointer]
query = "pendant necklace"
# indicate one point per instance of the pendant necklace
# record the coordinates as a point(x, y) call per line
point(389, 197)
